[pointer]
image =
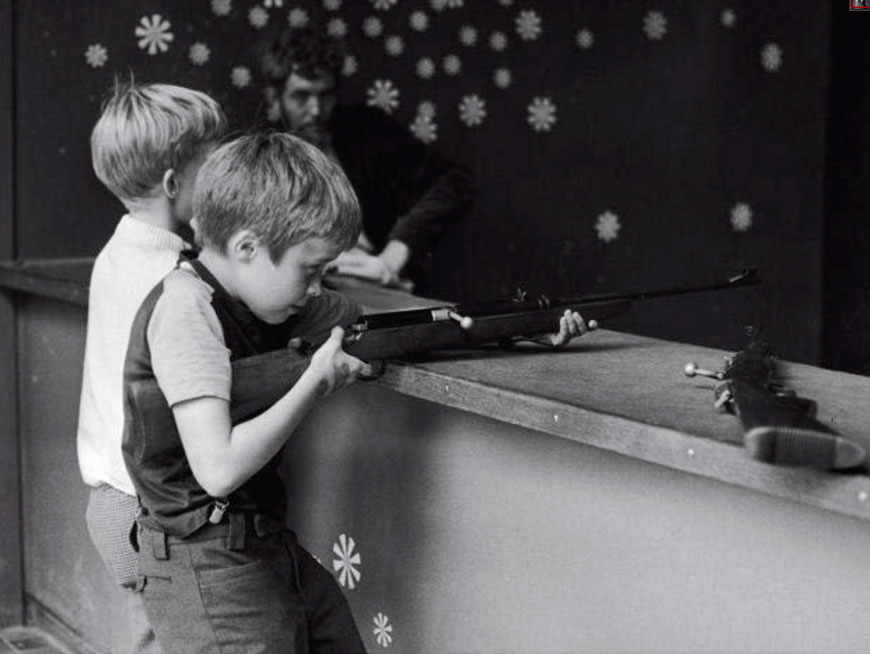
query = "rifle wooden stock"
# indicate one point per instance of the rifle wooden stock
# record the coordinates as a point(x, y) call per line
point(260, 380)
point(780, 427)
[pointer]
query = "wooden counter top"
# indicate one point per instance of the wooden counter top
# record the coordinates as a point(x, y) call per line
point(610, 390)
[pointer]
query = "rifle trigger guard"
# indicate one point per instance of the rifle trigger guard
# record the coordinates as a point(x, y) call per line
point(378, 367)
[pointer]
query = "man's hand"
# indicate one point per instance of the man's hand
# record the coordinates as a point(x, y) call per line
point(359, 263)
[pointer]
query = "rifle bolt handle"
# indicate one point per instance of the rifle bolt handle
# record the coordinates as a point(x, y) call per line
point(692, 369)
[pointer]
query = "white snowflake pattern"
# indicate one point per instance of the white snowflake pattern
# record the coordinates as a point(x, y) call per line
point(384, 5)
point(655, 25)
point(240, 76)
point(452, 64)
point(426, 108)
point(154, 34)
point(472, 110)
point(585, 38)
point(741, 217)
point(383, 94)
point(438, 5)
point(336, 27)
point(383, 630)
point(502, 78)
point(607, 225)
point(373, 27)
point(96, 55)
point(467, 35)
point(221, 7)
point(542, 114)
point(425, 68)
point(350, 65)
point(297, 17)
point(424, 128)
point(394, 45)
point(771, 57)
point(332, 5)
point(347, 562)
point(419, 21)
point(199, 54)
point(528, 24)
point(728, 17)
point(258, 17)
point(273, 3)
point(498, 41)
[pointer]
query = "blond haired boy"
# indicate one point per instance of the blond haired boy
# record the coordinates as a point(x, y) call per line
point(221, 572)
point(146, 148)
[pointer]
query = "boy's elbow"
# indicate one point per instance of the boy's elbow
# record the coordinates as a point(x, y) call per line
point(216, 481)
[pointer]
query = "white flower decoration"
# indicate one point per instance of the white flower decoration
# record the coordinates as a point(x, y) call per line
point(498, 41)
point(419, 21)
point(502, 78)
point(350, 65)
point(383, 630)
point(425, 68)
point(332, 5)
point(394, 45)
point(347, 562)
point(438, 5)
point(221, 7)
point(472, 110)
point(426, 108)
point(384, 5)
point(199, 54)
point(607, 226)
point(542, 114)
point(240, 76)
point(384, 95)
point(258, 17)
point(528, 24)
point(424, 128)
point(771, 57)
point(585, 39)
point(452, 64)
point(96, 55)
point(467, 35)
point(741, 217)
point(297, 17)
point(728, 17)
point(336, 27)
point(154, 34)
point(373, 27)
point(655, 25)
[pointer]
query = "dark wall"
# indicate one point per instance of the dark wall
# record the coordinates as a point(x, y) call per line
point(668, 134)
point(846, 333)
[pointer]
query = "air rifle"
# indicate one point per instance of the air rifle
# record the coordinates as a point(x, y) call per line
point(259, 381)
point(779, 426)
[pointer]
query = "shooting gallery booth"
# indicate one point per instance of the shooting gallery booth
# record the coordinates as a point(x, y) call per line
point(487, 500)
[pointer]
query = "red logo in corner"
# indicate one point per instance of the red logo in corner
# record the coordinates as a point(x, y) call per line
point(859, 5)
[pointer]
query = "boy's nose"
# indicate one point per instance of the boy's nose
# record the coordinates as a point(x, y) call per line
point(314, 289)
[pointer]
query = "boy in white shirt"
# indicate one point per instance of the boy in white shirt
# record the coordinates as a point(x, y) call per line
point(147, 147)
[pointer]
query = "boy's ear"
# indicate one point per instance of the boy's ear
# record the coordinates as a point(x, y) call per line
point(244, 245)
point(170, 184)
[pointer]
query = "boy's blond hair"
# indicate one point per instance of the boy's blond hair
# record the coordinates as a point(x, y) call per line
point(145, 130)
point(278, 186)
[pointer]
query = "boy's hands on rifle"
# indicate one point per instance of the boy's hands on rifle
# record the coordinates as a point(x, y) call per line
point(571, 324)
point(333, 367)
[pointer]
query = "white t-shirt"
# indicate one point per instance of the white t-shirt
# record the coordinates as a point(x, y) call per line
point(134, 260)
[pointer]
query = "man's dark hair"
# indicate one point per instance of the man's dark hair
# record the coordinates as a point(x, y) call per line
point(304, 51)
